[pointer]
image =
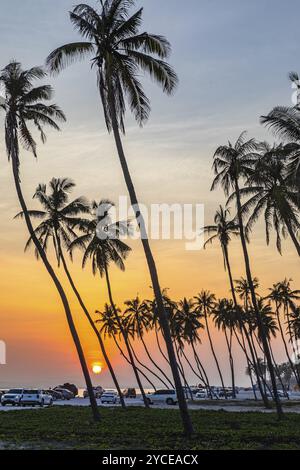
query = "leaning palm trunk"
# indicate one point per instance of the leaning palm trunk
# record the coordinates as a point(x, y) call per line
point(295, 373)
point(188, 427)
point(231, 363)
point(58, 286)
point(159, 346)
point(125, 336)
point(201, 370)
point(213, 352)
point(128, 361)
point(145, 366)
point(90, 320)
point(254, 303)
point(153, 362)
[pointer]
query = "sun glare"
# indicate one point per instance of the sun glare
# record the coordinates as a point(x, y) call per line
point(97, 369)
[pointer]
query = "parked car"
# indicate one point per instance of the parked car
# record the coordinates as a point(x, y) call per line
point(35, 397)
point(98, 391)
point(129, 393)
point(12, 397)
point(56, 395)
point(201, 393)
point(67, 395)
point(109, 397)
point(167, 396)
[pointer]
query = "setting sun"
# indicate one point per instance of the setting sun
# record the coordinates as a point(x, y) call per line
point(97, 369)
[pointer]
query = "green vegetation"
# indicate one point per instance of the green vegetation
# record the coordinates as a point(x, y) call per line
point(73, 428)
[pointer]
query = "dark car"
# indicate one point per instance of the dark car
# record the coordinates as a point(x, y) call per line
point(56, 395)
point(67, 395)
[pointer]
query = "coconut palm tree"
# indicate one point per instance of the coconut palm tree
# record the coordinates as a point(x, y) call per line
point(223, 230)
point(270, 192)
point(204, 304)
point(277, 297)
point(102, 245)
point(120, 52)
point(226, 318)
point(110, 327)
point(59, 218)
point(189, 329)
point(232, 163)
point(25, 104)
point(139, 318)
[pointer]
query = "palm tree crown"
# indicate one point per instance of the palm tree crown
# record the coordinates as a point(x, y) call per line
point(24, 103)
point(120, 53)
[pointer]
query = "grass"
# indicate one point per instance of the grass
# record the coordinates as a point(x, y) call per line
point(138, 428)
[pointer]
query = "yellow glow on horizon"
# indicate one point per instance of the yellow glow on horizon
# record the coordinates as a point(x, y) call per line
point(97, 369)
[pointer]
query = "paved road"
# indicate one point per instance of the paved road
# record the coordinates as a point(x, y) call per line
point(239, 404)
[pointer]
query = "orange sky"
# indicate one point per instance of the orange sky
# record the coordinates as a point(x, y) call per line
point(224, 66)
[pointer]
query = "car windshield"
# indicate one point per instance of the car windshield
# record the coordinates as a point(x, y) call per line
point(31, 392)
point(15, 390)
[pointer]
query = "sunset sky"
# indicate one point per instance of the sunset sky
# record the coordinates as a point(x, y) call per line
point(232, 59)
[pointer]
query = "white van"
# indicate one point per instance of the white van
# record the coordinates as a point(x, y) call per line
point(166, 396)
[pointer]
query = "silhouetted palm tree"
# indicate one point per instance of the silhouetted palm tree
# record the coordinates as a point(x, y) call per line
point(139, 318)
point(271, 193)
point(59, 218)
point(204, 304)
point(119, 53)
point(189, 328)
point(25, 104)
point(223, 230)
point(277, 295)
point(102, 245)
point(225, 318)
point(231, 164)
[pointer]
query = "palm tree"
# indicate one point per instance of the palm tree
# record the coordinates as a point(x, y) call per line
point(111, 328)
point(102, 245)
point(243, 289)
point(232, 163)
point(204, 304)
point(139, 318)
point(277, 297)
point(190, 325)
point(119, 53)
point(272, 194)
point(59, 218)
point(225, 318)
point(25, 104)
point(222, 231)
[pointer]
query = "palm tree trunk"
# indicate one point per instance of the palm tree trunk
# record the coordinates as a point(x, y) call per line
point(255, 366)
point(153, 362)
point(91, 322)
point(159, 347)
point(145, 366)
point(202, 370)
point(285, 346)
point(60, 290)
point(213, 352)
point(124, 334)
point(227, 264)
point(127, 360)
point(231, 363)
point(186, 420)
point(254, 302)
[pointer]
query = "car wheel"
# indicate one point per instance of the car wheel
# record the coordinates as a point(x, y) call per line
point(51, 403)
point(170, 401)
point(3, 404)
